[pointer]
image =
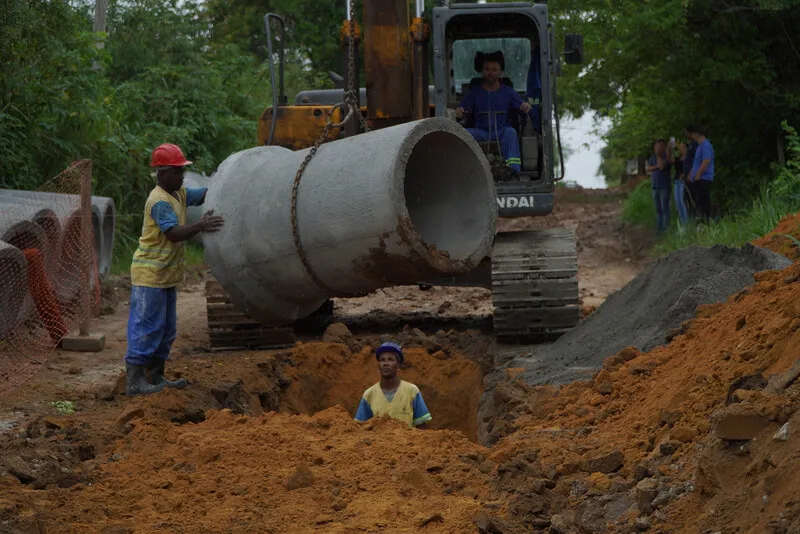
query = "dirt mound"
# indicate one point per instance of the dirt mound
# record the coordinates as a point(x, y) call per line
point(686, 437)
point(234, 473)
point(778, 241)
point(649, 310)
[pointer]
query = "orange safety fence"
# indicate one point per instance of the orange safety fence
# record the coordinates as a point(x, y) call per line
point(49, 279)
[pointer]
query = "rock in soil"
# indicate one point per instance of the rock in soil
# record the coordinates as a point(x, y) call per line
point(739, 422)
point(607, 463)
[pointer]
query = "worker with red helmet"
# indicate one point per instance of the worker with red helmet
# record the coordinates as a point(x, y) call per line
point(158, 267)
point(392, 396)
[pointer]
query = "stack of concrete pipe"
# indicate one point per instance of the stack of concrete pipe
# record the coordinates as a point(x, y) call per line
point(50, 223)
point(389, 207)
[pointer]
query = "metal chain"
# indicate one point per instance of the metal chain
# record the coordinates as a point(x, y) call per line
point(350, 104)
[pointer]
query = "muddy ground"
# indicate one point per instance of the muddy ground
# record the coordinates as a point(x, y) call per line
point(448, 331)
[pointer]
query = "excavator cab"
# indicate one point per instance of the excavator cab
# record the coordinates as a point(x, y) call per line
point(462, 34)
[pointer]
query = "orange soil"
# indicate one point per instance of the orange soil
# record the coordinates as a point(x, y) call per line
point(670, 394)
point(326, 473)
point(789, 225)
point(274, 473)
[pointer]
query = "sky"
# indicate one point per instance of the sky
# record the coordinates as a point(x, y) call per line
point(583, 165)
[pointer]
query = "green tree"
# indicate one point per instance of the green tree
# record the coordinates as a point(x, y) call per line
point(313, 27)
point(731, 66)
point(51, 102)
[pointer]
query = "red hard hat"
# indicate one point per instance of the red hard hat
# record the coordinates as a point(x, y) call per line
point(168, 155)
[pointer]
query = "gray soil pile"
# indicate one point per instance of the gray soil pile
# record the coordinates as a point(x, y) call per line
point(644, 312)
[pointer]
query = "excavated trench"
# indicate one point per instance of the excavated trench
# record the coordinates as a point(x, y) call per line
point(316, 376)
point(326, 376)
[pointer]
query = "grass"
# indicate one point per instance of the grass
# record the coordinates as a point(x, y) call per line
point(63, 407)
point(121, 264)
point(639, 208)
point(733, 230)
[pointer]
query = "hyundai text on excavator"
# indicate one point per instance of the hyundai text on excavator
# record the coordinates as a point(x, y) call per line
point(532, 274)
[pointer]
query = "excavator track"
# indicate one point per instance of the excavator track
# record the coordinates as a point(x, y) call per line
point(230, 329)
point(534, 285)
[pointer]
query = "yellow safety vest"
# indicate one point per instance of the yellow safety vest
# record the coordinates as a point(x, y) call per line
point(158, 262)
point(401, 406)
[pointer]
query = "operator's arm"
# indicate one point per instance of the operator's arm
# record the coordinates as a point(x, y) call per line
point(466, 104)
point(518, 103)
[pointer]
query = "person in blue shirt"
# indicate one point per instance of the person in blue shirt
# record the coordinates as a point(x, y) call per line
point(680, 183)
point(688, 162)
point(534, 86)
point(391, 396)
point(490, 105)
point(660, 165)
point(702, 173)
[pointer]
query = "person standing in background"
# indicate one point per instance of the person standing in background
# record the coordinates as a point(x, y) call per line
point(691, 150)
point(702, 173)
point(660, 164)
point(679, 189)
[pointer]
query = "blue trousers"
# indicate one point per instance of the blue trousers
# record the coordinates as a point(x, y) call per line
point(151, 324)
point(661, 199)
point(509, 143)
point(683, 213)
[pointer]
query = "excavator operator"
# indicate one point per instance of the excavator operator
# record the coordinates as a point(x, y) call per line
point(490, 104)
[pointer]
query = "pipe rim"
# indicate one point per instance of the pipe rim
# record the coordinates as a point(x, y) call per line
point(408, 229)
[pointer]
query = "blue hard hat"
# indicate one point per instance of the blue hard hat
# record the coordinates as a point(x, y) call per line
point(390, 347)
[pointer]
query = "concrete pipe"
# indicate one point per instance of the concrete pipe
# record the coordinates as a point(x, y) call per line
point(103, 218)
point(13, 274)
point(65, 274)
point(389, 207)
point(43, 216)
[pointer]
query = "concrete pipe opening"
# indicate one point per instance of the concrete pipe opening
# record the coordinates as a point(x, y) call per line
point(441, 192)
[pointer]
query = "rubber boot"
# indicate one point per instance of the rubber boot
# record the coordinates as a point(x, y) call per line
point(137, 381)
point(157, 375)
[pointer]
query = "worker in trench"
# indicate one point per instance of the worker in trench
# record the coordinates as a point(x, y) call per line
point(489, 107)
point(392, 396)
point(157, 268)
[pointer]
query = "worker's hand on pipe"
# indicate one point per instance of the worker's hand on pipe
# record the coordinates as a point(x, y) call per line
point(459, 112)
point(210, 222)
point(525, 107)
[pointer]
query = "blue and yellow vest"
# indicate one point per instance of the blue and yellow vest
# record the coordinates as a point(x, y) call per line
point(158, 262)
point(401, 406)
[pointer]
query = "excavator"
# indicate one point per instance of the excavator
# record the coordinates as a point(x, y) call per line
point(532, 274)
